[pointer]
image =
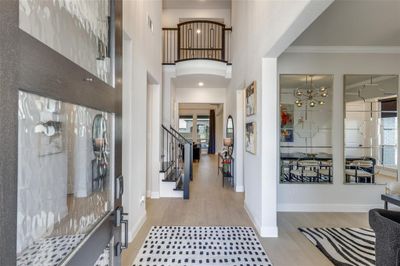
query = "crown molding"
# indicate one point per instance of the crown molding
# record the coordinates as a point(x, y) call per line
point(344, 49)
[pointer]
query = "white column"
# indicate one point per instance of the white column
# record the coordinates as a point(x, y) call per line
point(155, 140)
point(269, 147)
point(239, 141)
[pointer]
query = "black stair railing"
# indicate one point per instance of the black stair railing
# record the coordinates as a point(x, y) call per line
point(176, 159)
point(198, 39)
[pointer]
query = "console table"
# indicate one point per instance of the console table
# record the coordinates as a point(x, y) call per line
point(226, 167)
point(393, 199)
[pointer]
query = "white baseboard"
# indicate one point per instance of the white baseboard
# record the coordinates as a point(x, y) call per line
point(136, 227)
point(155, 195)
point(148, 194)
point(263, 231)
point(283, 207)
point(269, 231)
point(239, 188)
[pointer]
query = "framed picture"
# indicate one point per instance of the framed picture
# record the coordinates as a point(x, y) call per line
point(287, 126)
point(251, 137)
point(251, 99)
point(287, 112)
point(287, 135)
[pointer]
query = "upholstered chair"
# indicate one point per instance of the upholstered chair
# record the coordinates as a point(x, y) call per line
point(386, 225)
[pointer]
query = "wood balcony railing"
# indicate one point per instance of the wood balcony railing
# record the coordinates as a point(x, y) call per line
point(193, 40)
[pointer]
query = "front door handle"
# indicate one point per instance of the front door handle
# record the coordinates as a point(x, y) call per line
point(119, 187)
point(120, 219)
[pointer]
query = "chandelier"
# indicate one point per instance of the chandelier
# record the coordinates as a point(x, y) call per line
point(309, 95)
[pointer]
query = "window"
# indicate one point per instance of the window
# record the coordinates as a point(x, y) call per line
point(203, 133)
point(388, 132)
point(186, 126)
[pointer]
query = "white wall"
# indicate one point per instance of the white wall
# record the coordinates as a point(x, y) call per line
point(170, 17)
point(200, 95)
point(262, 30)
point(336, 197)
point(144, 51)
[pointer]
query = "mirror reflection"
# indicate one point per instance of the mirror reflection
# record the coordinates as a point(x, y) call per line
point(370, 129)
point(305, 129)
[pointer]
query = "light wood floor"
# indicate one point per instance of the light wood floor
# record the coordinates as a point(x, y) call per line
point(210, 204)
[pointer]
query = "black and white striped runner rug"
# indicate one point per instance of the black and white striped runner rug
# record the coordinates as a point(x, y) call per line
point(344, 246)
point(202, 245)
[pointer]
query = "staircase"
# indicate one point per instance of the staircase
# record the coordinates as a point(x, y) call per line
point(176, 164)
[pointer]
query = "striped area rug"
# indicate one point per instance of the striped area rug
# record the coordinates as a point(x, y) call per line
point(344, 246)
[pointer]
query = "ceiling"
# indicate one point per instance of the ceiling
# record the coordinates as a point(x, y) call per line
point(192, 81)
point(299, 81)
point(196, 4)
point(355, 23)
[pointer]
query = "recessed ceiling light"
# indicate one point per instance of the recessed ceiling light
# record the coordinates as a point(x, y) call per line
point(201, 84)
point(198, 31)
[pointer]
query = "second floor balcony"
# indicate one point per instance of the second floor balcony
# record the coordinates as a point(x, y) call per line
point(198, 39)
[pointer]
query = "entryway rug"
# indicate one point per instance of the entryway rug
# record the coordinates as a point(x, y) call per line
point(198, 245)
point(344, 246)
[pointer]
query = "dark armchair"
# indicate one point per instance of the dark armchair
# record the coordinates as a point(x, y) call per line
point(386, 225)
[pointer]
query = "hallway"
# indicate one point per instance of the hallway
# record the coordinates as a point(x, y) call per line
point(210, 204)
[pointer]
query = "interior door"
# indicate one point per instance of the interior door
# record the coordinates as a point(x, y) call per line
point(61, 176)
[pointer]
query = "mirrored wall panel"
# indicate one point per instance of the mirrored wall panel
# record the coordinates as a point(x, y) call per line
point(79, 30)
point(65, 170)
point(306, 129)
point(370, 127)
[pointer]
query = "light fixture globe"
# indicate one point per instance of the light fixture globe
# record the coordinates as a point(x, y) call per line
point(310, 95)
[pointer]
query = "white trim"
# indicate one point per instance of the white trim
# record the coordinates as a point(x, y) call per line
point(148, 194)
point(344, 49)
point(155, 195)
point(282, 207)
point(135, 229)
point(265, 231)
point(256, 225)
point(239, 188)
point(269, 231)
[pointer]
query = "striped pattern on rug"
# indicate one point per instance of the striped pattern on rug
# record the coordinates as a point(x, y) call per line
point(344, 246)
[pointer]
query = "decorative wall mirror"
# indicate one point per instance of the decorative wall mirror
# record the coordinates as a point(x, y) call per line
point(370, 129)
point(306, 129)
point(230, 135)
point(230, 129)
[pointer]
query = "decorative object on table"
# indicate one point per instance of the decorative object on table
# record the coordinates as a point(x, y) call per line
point(226, 167)
point(344, 246)
point(251, 99)
point(392, 188)
point(228, 143)
point(386, 225)
point(251, 137)
point(243, 247)
point(309, 95)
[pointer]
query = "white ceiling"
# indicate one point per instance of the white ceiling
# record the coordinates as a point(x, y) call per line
point(196, 4)
point(192, 81)
point(355, 23)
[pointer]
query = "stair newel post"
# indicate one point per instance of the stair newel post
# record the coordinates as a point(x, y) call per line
point(191, 161)
point(186, 173)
